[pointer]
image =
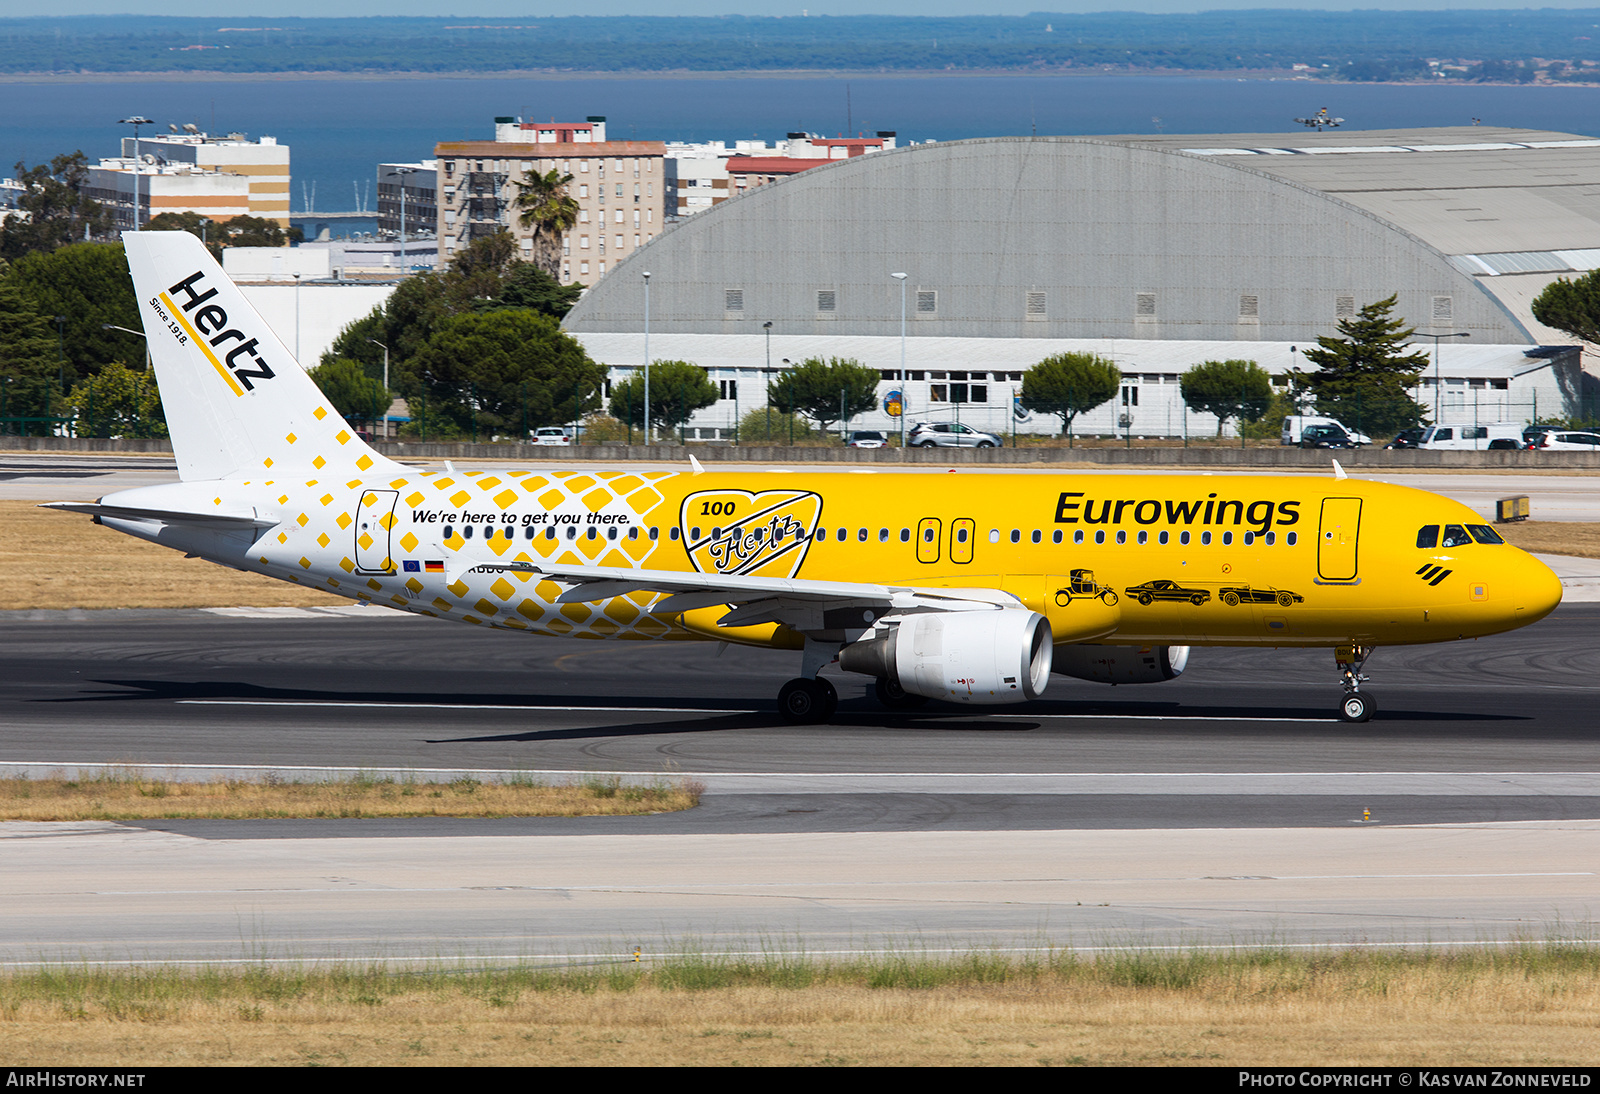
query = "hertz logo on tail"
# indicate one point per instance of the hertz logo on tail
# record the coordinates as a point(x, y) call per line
point(207, 325)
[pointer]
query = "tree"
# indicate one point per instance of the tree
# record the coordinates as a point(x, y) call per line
point(1363, 376)
point(1069, 384)
point(1572, 306)
point(248, 231)
point(117, 402)
point(55, 210)
point(764, 425)
point(501, 371)
point(29, 383)
point(550, 211)
point(89, 286)
point(1228, 389)
point(826, 391)
point(208, 232)
point(677, 390)
point(354, 394)
point(527, 286)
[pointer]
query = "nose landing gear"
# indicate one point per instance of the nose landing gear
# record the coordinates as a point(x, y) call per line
point(1357, 705)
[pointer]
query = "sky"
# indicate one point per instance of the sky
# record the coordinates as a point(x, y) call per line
point(545, 8)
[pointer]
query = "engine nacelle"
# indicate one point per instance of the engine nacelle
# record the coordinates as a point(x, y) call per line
point(983, 657)
point(1122, 664)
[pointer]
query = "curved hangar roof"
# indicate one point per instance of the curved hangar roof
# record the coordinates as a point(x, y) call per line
point(1221, 238)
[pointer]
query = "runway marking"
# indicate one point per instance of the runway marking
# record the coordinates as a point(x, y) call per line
point(452, 706)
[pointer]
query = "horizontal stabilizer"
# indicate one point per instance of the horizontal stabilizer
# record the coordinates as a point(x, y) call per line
point(165, 516)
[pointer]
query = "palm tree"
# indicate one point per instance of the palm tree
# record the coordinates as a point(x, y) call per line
point(550, 211)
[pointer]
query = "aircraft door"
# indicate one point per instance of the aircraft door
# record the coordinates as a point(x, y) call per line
point(928, 529)
point(374, 523)
point(1336, 543)
point(962, 533)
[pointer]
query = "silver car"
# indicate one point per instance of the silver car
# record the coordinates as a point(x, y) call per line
point(950, 435)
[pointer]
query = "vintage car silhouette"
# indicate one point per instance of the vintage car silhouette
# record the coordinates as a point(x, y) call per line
point(1082, 584)
point(1151, 591)
point(1235, 595)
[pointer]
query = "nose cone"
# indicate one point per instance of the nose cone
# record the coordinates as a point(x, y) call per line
point(1538, 591)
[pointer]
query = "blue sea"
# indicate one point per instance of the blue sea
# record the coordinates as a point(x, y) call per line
point(339, 130)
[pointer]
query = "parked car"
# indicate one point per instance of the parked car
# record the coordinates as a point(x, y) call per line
point(1326, 436)
point(866, 438)
point(1406, 438)
point(1562, 440)
point(553, 435)
point(950, 435)
point(1295, 426)
point(1472, 437)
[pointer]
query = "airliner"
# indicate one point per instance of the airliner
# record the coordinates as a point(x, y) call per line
point(962, 587)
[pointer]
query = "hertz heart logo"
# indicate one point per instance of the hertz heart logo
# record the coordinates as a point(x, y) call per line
point(737, 532)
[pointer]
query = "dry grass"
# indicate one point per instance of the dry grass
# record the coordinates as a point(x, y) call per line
point(1574, 538)
point(130, 796)
point(1531, 1006)
point(51, 559)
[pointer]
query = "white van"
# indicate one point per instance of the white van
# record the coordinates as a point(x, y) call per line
point(1472, 437)
point(1294, 425)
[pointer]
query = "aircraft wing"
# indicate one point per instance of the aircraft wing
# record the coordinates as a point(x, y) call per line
point(753, 600)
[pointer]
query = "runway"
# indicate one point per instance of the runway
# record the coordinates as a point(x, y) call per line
point(1224, 808)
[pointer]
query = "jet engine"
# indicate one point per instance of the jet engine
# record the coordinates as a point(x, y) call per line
point(980, 657)
point(1122, 664)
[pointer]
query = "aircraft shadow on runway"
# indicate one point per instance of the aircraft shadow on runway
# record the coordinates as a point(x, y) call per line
point(713, 716)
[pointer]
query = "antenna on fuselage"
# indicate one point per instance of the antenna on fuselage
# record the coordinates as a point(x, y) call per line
point(1338, 472)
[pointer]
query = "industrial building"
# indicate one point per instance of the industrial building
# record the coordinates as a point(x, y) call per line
point(1159, 252)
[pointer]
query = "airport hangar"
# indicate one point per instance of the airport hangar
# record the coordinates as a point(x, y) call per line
point(1157, 252)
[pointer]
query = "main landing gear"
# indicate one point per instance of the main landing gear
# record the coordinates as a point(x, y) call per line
point(806, 702)
point(1357, 705)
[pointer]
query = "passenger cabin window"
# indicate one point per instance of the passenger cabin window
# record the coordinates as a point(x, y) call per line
point(1428, 536)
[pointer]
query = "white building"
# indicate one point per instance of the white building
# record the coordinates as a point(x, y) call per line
point(166, 188)
point(263, 163)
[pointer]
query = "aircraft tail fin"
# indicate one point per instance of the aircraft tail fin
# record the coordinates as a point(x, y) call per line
point(236, 400)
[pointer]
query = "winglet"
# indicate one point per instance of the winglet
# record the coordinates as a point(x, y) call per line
point(694, 463)
point(1338, 472)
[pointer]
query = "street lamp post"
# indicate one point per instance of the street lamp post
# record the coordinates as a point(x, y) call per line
point(904, 402)
point(405, 265)
point(385, 349)
point(297, 318)
point(646, 356)
point(1438, 394)
point(136, 121)
point(767, 326)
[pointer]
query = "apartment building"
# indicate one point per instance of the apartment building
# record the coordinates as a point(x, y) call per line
point(619, 186)
point(264, 164)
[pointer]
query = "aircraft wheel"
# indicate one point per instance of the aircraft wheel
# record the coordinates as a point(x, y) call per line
point(1356, 707)
point(895, 697)
point(807, 702)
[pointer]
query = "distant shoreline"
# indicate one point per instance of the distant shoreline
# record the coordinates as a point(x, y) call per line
point(1276, 75)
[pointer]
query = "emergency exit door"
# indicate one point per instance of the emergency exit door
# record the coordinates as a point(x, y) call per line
point(1337, 539)
point(374, 521)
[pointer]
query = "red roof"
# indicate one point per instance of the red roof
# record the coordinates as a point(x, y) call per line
point(770, 165)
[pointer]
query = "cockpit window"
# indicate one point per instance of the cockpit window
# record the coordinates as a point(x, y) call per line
point(1484, 534)
point(1455, 536)
point(1428, 536)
